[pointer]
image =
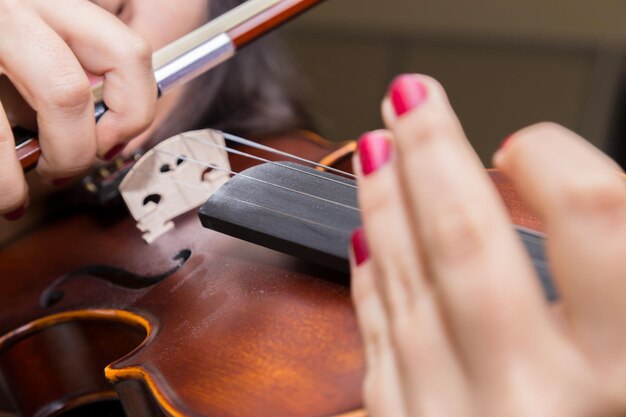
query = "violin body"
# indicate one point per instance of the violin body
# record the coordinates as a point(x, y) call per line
point(218, 327)
point(237, 330)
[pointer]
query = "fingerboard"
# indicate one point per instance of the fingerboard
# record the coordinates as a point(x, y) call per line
point(311, 215)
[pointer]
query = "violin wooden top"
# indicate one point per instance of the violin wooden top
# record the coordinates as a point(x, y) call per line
point(238, 330)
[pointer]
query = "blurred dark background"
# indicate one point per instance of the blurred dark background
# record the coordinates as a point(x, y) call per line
point(504, 64)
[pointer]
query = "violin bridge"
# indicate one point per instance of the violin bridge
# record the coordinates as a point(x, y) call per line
point(173, 178)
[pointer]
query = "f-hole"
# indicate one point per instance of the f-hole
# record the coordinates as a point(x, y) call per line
point(54, 293)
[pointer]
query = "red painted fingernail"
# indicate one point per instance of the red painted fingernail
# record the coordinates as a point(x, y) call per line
point(59, 182)
point(15, 214)
point(359, 246)
point(506, 142)
point(406, 93)
point(374, 151)
point(114, 151)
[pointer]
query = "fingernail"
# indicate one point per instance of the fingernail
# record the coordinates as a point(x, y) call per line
point(506, 142)
point(374, 151)
point(114, 151)
point(359, 246)
point(59, 182)
point(406, 93)
point(15, 214)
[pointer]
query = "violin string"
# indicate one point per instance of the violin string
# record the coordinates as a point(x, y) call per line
point(175, 181)
point(258, 158)
point(151, 174)
point(255, 145)
point(280, 213)
point(213, 166)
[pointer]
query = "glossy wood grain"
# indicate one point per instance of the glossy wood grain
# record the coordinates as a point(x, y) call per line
point(238, 331)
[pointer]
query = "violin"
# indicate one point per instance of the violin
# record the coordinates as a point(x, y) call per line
point(94, 321)
point(198, 323)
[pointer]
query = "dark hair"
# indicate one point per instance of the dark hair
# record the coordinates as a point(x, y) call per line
point(255, 94)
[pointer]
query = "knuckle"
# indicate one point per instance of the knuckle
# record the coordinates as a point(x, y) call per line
point(373, 339)
point(62, 168)
point(601, 196)
point(83, 164)
point(69, 92)
point(503, 316)
point(137, 48)
point(401, 284)
point(482, 309)
point(81, 161)
point(498, 317)
point(459, 233)
point(144, 119)
point(376, 199)
point(135, 124)
point(437, 128)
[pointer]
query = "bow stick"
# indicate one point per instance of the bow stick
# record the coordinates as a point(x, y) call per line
point(193, 54)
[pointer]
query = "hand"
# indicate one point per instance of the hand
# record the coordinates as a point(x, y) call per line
point(452, 314)
point(45, 49)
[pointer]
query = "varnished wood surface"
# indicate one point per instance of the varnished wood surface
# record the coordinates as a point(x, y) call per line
point(238, 331)
point(60, 370)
